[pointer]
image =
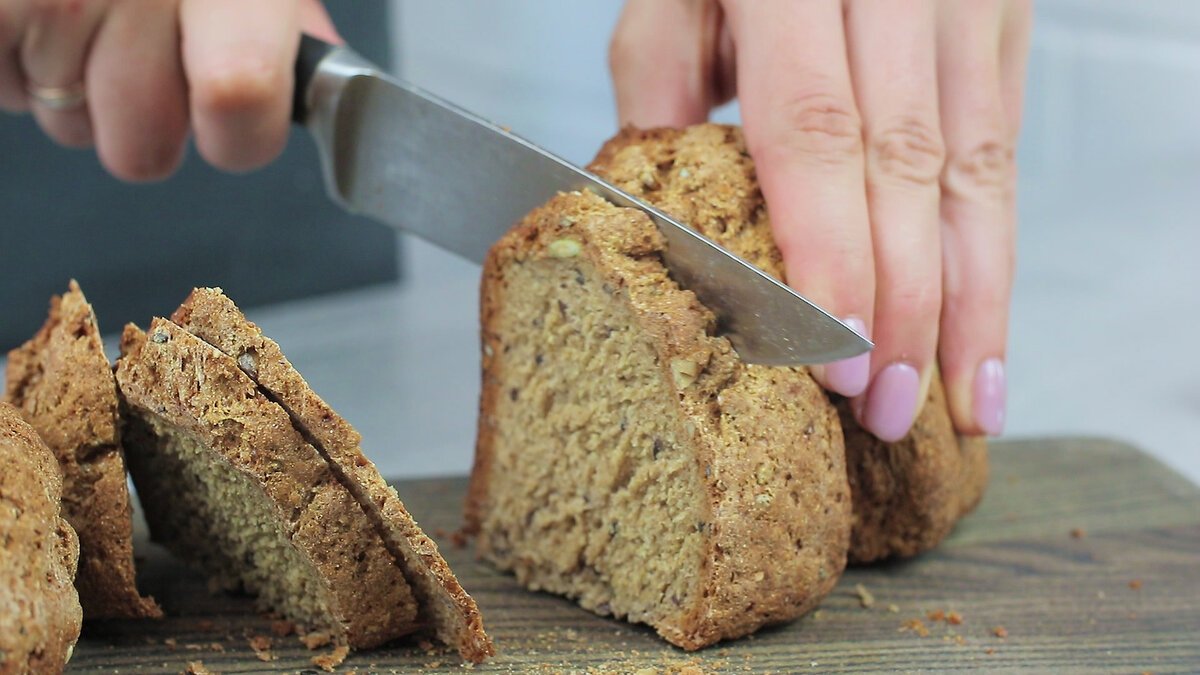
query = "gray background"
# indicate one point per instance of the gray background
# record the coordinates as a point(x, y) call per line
point(1106, 306)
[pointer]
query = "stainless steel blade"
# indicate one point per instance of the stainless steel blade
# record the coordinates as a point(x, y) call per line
point(403, 156)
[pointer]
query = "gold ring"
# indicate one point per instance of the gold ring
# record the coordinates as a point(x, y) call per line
point(58, 98)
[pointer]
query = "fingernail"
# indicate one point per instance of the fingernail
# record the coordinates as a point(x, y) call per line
point(848, 377)
point(892, 402)
point(987, 401)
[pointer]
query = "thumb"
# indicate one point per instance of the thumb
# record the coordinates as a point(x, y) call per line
point(665, 58)
point(314, 20)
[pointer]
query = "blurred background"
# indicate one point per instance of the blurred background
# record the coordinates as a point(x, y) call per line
point(1107, 297)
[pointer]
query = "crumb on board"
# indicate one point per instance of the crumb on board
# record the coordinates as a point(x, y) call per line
point(261, 644)
point(216, 646)
point(206, 625)
point(316, 639)
point(1136, 584)
point(282, 628)
point(864, 596)
point(1078, 533)
point(1000, 632)
point(171, 643)
point(936, 615)
point(197, 668)
point(989, 651)
point(893, 608)
point(954, 618)
point(915, 625)
point(327, 662)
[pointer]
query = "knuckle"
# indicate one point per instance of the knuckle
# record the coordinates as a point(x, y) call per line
point(822, 127)
point(986, 168)
point(920, 299)
point(909, 150)
point(239, 87)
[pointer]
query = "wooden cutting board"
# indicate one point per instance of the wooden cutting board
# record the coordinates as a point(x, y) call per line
point(1085, 554)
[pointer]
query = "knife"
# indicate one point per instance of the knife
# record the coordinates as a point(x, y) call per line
point(400, 155)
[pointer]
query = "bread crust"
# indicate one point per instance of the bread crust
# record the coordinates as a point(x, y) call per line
point(40, 616)
point(62, 383)
point(907, 495)
point(776, 507)
point(172, 376)
point(213, 317)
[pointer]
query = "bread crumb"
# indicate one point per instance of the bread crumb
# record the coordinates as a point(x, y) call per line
point(425, 646)
point(989, 651)
point(216, 646)
point(936, 615)
point(864, 596)
point(1136, 584)
point(261, 644)
point(316, 639)
point(954, 618)
point(197, 668)
point(1078, 533)
point(1000, 632)
point(206, 625)
point(171, 643)
point(915, 625)
point(281, 628)
point(327, 662)
point(894, 608)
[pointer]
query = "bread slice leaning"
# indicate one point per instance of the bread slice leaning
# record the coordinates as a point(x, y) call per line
point(40, 615)
point(62, 383)
point(907, 495)
point(443, 604)
point(228, 484)
point(627, 458)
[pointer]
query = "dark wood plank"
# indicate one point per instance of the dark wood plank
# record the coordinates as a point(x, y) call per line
point(1066, 603)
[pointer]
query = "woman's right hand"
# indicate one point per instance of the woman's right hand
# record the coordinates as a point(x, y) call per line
point(135, 77)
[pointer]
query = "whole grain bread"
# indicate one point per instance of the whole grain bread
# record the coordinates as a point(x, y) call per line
point(627, 458)
point(443, 604)
point(63, 385)
point(228, 483)
point(40, 615)
point(907, 495)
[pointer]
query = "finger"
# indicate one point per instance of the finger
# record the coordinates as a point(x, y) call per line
point(894, 68)
point(238, 59)
point(54, 51)
point(978, 229)
point(666, 57)
point(1014, 59)
point(136, 90)
point(13, 17)
point(315, 21)
point(802, 128)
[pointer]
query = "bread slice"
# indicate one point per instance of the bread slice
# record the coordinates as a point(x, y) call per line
point(907, 495)
point(63, 385)
point(627, 458)
point(40, 615)
point(442, 602)
point(228, 484)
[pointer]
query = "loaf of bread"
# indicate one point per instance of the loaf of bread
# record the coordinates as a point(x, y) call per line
point(626, 457)
point(907, 495)
point(442, 603)
point(63, 385)
point(40, 615)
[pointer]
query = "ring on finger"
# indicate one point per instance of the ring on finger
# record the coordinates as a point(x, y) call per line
point(58, 98)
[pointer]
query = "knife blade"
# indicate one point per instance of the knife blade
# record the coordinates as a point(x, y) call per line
point(400, 155)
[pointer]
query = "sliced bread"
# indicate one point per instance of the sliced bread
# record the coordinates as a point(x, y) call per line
point(627, 458)
point(229, 484)
point(40, 615)
point(63, 385)
point(443, 604)
point(907, 495)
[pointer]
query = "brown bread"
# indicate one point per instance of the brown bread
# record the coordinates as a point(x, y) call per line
point(210, 315)
point(228, 483)
point(63, 385)
point(40, 615)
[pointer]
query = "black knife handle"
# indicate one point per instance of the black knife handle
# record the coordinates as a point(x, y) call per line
point(312, 51)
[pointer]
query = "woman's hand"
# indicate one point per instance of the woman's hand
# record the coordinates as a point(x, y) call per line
point(883, 133)
point(133, 77)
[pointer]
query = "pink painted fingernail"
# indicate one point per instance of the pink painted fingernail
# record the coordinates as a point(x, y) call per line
point(987, 400)
point(848, 377)
point(892, 402)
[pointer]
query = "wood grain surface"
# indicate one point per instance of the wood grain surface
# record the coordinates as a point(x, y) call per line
point(1120, 594)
